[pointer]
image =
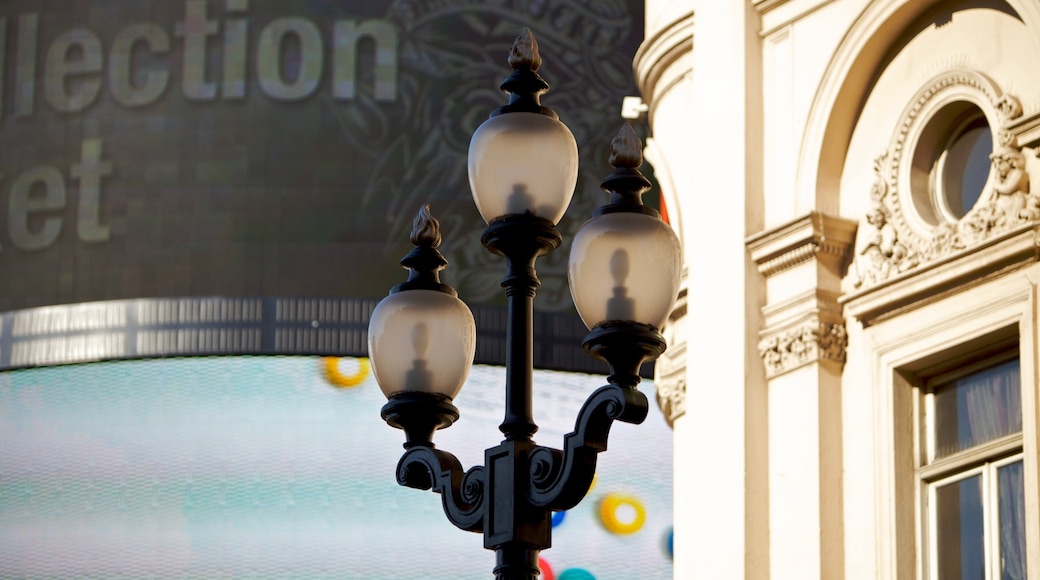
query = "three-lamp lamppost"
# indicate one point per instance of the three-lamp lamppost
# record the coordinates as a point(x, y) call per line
point(623, 275)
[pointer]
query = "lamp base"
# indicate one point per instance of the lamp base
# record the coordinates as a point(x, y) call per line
point(419, 414)
point(625, 346)
point(521, 236)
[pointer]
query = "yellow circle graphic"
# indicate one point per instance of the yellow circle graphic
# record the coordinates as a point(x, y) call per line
point(337, 378)
point(608, 513)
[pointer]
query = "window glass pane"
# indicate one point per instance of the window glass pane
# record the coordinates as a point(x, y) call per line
point(1012, 522)
point(977, 408)
point(966, 168)
point(959, 530)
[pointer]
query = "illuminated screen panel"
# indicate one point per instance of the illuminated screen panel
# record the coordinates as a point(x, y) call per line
point(158, 148)
point(280, 467)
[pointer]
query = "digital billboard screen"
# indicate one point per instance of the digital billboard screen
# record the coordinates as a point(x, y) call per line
point(280, 467)
point(157, 148)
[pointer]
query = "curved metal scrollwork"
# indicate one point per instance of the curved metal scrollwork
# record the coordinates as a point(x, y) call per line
point(560, 479)
point(462, 494)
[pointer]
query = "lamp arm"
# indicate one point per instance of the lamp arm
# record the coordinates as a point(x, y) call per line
point(462, 494)
point(560, 479)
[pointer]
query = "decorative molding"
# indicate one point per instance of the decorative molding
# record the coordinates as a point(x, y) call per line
point(670, 368)
point(894, 238)
point(1026, 130)
point(671, 398)
point(814, 236)
point(777, 14)
point(816, 302)
point(931, 282)
point(658, 63)
point(812, 341)
point(802, 317)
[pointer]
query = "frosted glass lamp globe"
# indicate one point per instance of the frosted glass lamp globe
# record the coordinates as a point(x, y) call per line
point(421, 341)
point(625, 266)
point(520, 163)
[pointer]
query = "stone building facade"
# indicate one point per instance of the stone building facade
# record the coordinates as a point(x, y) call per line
point(859, 173)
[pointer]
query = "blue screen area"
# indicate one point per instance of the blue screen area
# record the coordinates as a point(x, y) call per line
point(280, 467)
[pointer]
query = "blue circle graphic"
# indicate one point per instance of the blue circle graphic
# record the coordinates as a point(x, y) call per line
point(557, 518)
point(576, 574)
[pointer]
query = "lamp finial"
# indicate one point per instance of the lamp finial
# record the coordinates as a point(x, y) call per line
point(524, 53)
point(524, 85)
point(426, 229)
point(626, 184)
point(626, 150)
point(424, 262)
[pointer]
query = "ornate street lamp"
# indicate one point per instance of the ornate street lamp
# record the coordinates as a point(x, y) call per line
point(624, 276)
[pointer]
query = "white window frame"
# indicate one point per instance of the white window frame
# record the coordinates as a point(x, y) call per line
point(982, 459)
point(991, 521)
point(883, 443)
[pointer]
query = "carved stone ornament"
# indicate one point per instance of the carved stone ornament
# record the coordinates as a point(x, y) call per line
point(806, 343)
point(671, 398)
point(892, 238)
point(670, 369)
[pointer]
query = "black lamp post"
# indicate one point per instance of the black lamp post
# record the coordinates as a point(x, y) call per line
point(623, 274)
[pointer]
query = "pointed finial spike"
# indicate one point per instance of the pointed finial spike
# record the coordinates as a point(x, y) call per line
point(524, 54)
point(626, 149)
point(426, 229)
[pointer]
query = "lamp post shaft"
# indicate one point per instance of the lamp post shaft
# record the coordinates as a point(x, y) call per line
point(518, 530)
point(521, 239)
point(519, 421)
point(519, 415)
point(517, 563)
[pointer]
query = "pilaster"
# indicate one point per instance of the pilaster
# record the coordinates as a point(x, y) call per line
point(802, 346)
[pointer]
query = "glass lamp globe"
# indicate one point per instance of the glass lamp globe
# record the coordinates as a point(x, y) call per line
point(421, 341)
point(625, 266)
point(521, 162)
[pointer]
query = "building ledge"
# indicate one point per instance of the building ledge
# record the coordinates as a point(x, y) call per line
point(930, 282)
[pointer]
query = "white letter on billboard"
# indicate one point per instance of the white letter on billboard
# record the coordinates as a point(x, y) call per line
point(59, 68)
point(195, 29)
point(21, 205)
point(26, 73)
point(269, 59)
point(89, 171)
point(120, 65)
point(235, 35)
point(346, 36)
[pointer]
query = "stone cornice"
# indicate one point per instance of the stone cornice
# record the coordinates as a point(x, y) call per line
point(814, 236)
point(1026, 131)
point(803, 322)
point(779, 13)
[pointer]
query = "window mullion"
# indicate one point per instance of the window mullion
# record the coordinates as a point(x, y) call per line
point(933, 532)
point(991, 529)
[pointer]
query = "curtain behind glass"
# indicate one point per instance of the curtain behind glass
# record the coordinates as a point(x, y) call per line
point(978, 408)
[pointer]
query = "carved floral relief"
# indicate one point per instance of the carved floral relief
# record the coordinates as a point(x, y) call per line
point(810, 342)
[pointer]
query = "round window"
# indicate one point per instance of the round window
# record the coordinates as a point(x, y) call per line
point(962, 167)
point(950, 163)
